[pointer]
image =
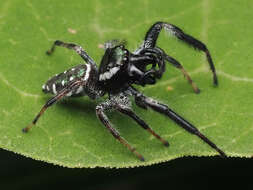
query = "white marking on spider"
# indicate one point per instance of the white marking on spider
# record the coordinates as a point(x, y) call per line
point(87, 74)
point(147, 44)
point(170, 29)
point(80, 89)
point(71, 78)
point(109, 74)
point(43, 86)
point(69, 94)
point(65, 72)
point(73, 69)
point(47, 88)
point(78, 49)
point(54, 89)
point(62, 83)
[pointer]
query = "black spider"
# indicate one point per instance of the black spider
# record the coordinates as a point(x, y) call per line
point(118, 71)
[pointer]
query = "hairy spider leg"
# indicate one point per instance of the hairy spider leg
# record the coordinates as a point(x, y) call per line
point(176, 64)
point(153, 32)
point(131, 114)
point(173, 62)
point(78, 49)
point(52, 101)
point(103, 118)
point(164, 109)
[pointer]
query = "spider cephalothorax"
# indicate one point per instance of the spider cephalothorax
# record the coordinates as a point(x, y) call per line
point(119, 70)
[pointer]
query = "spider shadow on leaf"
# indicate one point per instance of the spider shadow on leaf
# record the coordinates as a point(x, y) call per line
point(77, 106)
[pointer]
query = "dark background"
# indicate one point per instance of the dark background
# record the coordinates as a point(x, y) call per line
point(18, 172)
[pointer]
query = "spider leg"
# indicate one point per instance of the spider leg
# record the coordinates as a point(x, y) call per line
point(127, 111)
point(153, 32)
point(78, 49)
point(164, 109)
point(141, 61)
point(103, 118)
point(138, 68)
point(174, 63)
point(52, 101)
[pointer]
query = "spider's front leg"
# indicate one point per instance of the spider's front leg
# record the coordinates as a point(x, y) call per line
point(146, 102)
point(155, 29)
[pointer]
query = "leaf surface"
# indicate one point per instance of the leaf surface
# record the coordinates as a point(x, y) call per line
point(69, 134)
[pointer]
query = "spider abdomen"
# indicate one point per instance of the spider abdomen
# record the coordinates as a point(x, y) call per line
point(55, 84)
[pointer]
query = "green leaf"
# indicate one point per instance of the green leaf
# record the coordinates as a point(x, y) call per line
point(69, 134)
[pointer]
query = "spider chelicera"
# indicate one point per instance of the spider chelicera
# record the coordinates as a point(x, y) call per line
point(118, 71)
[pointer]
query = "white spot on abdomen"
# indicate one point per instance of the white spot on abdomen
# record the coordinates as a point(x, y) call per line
point(54, 89)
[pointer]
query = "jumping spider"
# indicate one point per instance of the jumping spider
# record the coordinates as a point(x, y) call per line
point(118, 71)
